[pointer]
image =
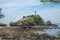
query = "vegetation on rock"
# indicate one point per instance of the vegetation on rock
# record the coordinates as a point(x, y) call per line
point(1, 24)
point(29, 20)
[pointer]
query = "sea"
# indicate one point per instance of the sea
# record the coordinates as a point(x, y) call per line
point(53, 32)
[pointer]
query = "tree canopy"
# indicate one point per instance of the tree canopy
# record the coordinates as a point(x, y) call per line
point(53, 1)
point(1, 15)
point(30, 19)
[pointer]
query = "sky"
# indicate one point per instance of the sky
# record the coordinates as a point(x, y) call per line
point(16, 9)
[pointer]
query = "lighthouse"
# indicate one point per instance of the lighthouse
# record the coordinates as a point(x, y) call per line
point(35, 12)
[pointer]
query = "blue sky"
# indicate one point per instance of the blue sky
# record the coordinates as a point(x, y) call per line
point(16, 9)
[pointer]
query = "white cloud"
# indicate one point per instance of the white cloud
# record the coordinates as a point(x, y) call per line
point(52, 14)
point(18, 3)
point(15, 9)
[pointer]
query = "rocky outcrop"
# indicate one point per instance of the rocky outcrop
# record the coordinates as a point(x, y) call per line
point(30, 20)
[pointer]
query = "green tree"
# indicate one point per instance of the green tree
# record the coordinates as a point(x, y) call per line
point(11, 23)
point(37, 19)
point(1, 24)
point(23, 16)
point(58, 35)
point(53, 1)
point(1, 15)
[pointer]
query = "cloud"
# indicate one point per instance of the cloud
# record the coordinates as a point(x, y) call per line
point(51, 14)
point(18, 3)
point(15, 9)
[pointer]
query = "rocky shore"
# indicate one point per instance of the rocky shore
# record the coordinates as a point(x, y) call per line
point(10, 33)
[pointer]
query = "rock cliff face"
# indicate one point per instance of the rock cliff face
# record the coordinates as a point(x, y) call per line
point(30, 20)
